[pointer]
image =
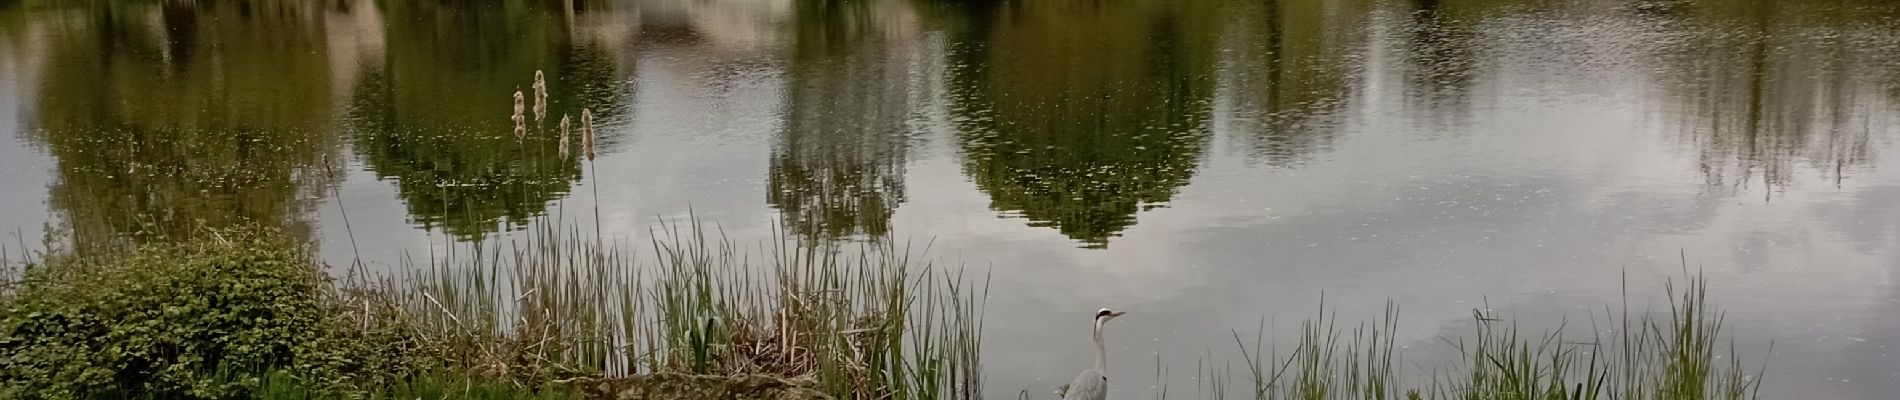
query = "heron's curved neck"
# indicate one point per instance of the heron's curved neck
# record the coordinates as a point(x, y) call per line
point(1101, 348)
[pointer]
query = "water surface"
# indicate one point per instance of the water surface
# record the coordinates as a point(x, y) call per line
point(1202, 164)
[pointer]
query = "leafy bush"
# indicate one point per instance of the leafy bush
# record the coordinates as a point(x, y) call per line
point(169, 321)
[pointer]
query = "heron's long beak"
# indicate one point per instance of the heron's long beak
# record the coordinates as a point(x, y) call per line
point(1116, 314)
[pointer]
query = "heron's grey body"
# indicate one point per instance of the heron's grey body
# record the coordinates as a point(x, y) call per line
point(1092, 384)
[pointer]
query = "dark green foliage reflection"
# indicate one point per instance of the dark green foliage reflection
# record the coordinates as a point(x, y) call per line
point(434, 117)
point(1078, 114)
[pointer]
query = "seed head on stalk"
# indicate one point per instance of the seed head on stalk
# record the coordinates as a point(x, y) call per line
point(587, 132)
point(564, 142)
point(521, 121)
point(540, 96)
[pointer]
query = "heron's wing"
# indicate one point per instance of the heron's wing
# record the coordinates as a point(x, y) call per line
point(1090, 385)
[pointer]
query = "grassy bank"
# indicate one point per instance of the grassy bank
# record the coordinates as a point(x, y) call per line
point(248, 314)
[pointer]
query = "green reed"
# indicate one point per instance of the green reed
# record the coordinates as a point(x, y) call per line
point(1650, 356)
point(868, 320)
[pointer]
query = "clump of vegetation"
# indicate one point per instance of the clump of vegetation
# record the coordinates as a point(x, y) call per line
point(169, 321)
point(234, 314)
point(558, 306)
point(558, 314)
point(250, 314)
point(432, 384)
point(1670, 356)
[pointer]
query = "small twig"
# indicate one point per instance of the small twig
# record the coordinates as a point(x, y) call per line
point(445, 310)
point(365, 324)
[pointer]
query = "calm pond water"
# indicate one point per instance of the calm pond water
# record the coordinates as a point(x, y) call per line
point(1203, 164)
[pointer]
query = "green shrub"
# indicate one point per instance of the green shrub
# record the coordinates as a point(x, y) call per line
point(169, 321)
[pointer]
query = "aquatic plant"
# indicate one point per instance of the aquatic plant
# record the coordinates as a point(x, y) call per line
point(521, 122)
point(865, 322)
point(587, 132)
point(861, 323)
point(1671, 358)
point(564, 142)
point(540, 96)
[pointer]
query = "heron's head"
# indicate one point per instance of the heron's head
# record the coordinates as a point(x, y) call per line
point(1106, 314)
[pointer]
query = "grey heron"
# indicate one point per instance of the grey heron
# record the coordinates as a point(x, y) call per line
point(1092, 384)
